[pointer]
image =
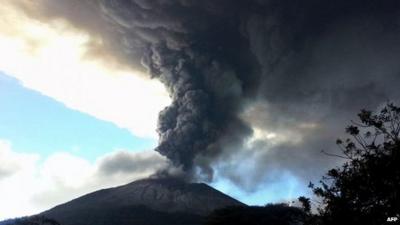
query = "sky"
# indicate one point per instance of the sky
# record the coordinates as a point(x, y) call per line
point(241, 95)
point(58, 128)
point(51, 153)
point(37, 123)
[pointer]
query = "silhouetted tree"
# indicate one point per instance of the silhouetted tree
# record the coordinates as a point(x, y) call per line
point(365, 189)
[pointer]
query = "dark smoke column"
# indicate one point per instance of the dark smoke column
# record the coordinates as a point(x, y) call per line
point(207, 80)
point(185, 127)
point(206, 95)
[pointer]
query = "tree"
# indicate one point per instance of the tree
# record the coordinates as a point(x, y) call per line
point(365, 189)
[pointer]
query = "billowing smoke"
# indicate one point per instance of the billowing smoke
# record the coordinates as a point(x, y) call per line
point(207, 90)
point(265, 82)
point(198, 52)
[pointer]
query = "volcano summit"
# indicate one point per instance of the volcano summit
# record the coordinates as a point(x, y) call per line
point(148, 201)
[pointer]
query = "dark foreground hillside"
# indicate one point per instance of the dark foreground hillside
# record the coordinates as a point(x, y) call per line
point(279, 214)
point(148, 201)
point(32, 220)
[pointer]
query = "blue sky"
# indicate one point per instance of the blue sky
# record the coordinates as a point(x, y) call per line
point(35, 123)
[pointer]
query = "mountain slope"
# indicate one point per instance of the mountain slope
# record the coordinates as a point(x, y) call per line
point(148, 201)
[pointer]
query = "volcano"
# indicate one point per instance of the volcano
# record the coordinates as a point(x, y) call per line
point(148, 201)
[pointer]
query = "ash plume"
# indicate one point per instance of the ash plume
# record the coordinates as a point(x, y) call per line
point(199, 54)
point(297, 69)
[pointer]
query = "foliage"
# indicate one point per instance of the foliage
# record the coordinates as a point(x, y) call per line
point(366, 188)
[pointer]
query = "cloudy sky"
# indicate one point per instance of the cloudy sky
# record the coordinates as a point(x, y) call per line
point(243, 96)
point(63, 133)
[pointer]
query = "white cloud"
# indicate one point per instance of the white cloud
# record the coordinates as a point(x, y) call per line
point(16, 163)
point(34, 185)
point(54, 59)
